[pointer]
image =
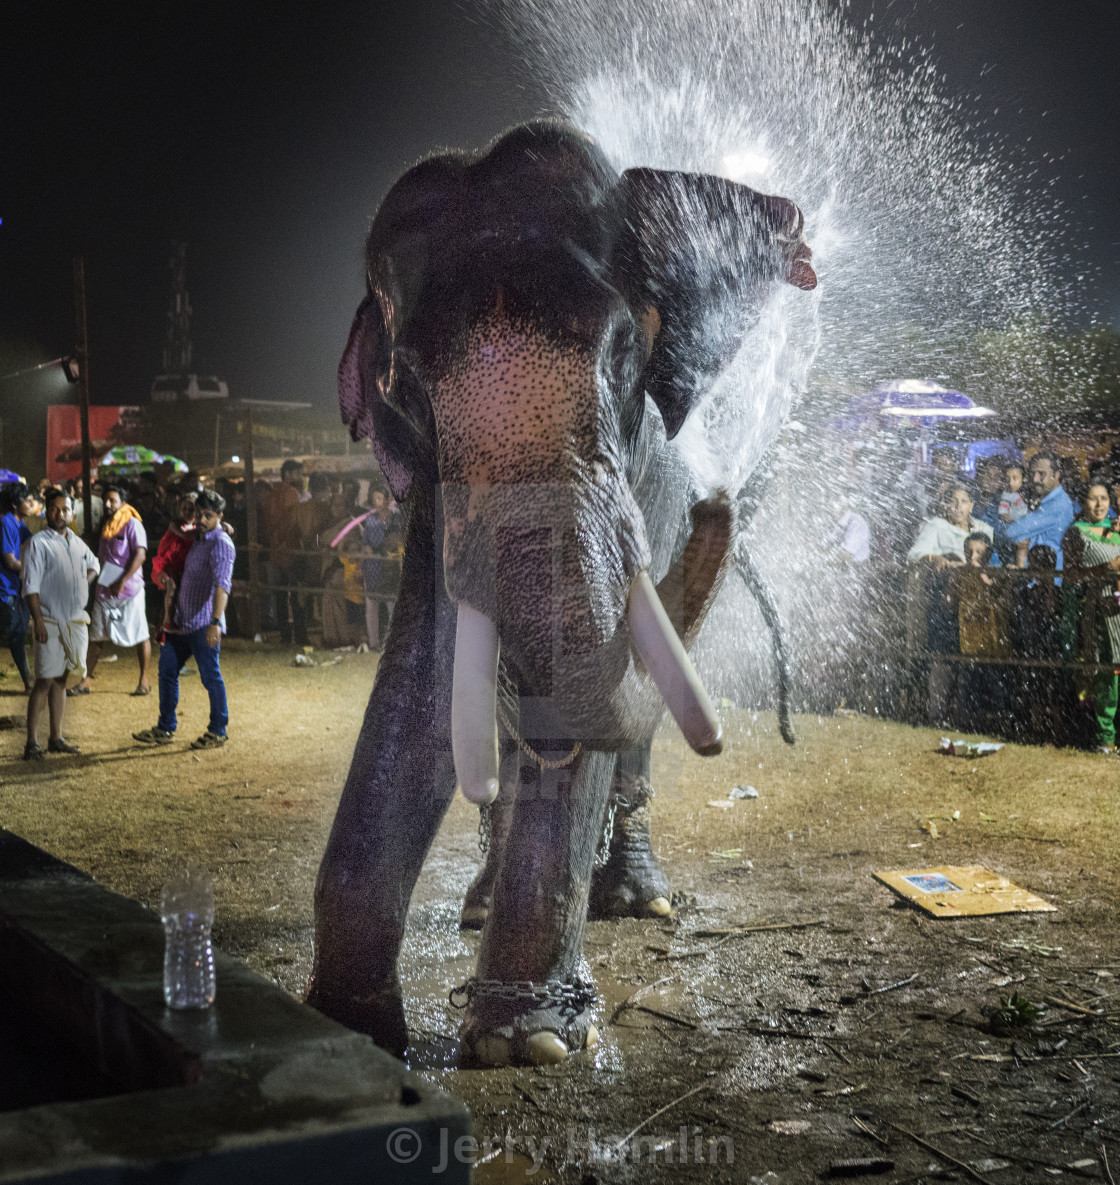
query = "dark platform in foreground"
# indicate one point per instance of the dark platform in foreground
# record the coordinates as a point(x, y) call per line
point(103, 1084)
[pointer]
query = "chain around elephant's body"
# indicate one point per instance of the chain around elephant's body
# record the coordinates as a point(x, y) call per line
point(528, 749)
point(638, 793)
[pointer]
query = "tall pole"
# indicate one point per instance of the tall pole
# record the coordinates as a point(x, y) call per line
point(82, 350)
point(251, 528)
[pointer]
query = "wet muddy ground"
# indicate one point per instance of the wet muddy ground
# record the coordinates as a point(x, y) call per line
point(792, 1016)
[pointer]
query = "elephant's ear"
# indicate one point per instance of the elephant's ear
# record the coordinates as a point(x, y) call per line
point(376, 393)
point(364, 373)
point(704, 252)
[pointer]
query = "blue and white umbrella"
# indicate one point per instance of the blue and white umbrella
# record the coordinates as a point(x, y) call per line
point(126, 460)
point(914, 400)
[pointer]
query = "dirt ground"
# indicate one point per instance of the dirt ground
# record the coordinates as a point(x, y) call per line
point(858, 1031)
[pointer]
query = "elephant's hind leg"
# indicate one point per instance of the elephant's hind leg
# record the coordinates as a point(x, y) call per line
point(476, 902)
point(631, 883)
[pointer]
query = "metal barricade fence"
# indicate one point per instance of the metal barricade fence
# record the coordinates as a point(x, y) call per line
point(263, 592)
point(1027, 638)
point(1006, 583)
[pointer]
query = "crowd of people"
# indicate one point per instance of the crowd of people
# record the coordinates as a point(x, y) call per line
point(161, 564)
point(1019, 588)
point(316, 535)
point(1013, 590)
point(986, 601)
point(75, 601)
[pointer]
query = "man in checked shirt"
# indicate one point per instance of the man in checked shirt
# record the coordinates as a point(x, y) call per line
point(198, 627)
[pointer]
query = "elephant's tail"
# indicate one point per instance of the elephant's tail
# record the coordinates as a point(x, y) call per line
point(760, 590)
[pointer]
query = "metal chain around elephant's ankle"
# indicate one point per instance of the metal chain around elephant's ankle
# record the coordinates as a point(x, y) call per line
point(528, 749)
point(569, 997)
point(640, 792)
point(603, 851)
point(484, 825)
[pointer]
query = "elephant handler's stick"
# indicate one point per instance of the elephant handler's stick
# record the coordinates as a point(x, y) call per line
point(944, 1155)
point(632, 998)
point(650, 1118)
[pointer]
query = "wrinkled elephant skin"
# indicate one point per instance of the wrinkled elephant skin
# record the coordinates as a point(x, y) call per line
point(536, 330)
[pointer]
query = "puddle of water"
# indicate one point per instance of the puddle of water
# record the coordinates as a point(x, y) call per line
point(432, 1051)
point(512, 1168)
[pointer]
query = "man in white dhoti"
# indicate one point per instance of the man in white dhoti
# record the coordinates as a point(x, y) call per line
point(118, 614)
point(57, 571)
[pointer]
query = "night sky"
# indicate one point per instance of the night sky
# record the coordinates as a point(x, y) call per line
point(264, 136)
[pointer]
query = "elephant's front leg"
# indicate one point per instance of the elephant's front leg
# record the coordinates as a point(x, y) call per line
point(528, 1002)
point(631, 883)
point(398, 789)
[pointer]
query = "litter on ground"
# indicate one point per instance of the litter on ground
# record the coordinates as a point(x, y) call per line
point(965, 891)
point(963, 748)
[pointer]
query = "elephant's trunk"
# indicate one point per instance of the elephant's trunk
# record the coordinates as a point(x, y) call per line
point(545, 547)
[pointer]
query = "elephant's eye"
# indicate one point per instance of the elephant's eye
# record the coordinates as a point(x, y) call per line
point(411, 399)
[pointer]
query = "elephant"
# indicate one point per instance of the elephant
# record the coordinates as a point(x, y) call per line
point(536, 329)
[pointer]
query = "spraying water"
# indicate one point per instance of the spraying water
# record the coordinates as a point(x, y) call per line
point(924, 231)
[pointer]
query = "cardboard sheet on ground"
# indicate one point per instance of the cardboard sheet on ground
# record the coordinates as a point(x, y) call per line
point(962, 892)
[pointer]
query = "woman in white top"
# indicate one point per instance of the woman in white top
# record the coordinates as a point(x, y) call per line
point(941, 539)
point(940, 544)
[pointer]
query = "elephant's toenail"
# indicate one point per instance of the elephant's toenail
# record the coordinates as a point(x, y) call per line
point(545, 1049)
point(659, 907)
point(492, 1051)
point(473, 917)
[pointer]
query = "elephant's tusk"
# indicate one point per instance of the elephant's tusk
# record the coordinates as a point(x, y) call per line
point(667, 661)
point(474, 696)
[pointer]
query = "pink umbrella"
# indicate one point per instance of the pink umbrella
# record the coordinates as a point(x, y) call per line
point(349, 527)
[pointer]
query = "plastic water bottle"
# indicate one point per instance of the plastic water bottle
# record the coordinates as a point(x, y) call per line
point(187, 910)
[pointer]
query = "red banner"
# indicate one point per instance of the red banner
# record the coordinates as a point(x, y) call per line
point(64, 437)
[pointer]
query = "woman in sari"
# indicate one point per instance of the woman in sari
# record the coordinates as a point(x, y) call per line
point(343, 596)
point(1092, 562)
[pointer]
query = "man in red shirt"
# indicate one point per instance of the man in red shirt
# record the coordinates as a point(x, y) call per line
point(171, 555)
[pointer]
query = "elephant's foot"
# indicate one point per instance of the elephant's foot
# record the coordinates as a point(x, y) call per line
point(538, 1049)
point(524, 1031)
point(378, 1013)
point(515, 1047)
point(476, 904)
point(633, 889)
point(631, 884)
